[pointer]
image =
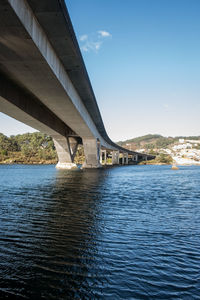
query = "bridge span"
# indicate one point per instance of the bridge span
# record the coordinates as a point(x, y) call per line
point(44, 82)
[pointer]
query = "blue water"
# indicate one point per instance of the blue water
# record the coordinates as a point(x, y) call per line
point(129, 232)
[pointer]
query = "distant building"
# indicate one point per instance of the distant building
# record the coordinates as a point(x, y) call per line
point(194, 141)
point(182, 146)
point(140, 150)
point(168, 151)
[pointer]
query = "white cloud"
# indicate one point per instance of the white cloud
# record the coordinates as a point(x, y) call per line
point(85, 48)
point(104, 33)
point(91, 46)
point(83, 37)
point(97, 45)
point(94, 41)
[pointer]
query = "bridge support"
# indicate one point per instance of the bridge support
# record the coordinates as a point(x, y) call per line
point(126, 158)
point(103, 157)
point(122, 158)
point(66, 149)
point(115, 157)
point(92, 153)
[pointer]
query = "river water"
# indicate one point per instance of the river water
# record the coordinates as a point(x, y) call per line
point(130, 232)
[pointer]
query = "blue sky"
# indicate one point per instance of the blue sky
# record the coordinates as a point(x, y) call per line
point(143, 60)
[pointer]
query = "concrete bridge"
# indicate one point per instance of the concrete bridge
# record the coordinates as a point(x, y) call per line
point(44, 82)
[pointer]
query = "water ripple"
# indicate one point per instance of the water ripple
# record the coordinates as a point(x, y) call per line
point(124, 233)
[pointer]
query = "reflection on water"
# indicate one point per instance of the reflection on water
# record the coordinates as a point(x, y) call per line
point(129, 232)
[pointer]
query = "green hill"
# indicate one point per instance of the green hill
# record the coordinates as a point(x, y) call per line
point(27, 148)
point(31, 148)
point(38, 148)
point(153, 141)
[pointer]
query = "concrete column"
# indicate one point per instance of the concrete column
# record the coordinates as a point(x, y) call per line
point(73, 143)
point(92, 153)
point(115, 157)
point(101, 157)
point(136, 157)
point(122, 158)
point(65, 158)
point(105, 157)
point(126, 158)
point(118, 157)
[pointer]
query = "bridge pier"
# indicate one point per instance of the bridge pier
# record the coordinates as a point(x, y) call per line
point(103, 157)
point(122, 158)
point(126, 158)
point(115, 157)
point(66, 152)
point(92, 154)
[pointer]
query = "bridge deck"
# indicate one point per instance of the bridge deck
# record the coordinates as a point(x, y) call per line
point(44, 61)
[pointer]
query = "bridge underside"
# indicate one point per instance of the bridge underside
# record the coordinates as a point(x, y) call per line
point(44, 83)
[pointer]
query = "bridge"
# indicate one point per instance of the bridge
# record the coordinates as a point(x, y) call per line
point(44, 82)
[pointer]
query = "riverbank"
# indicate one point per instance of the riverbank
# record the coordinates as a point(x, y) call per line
point(19, 158)
point(28, 163)
point(186, 162)
point(54, 162)
point(178, 163)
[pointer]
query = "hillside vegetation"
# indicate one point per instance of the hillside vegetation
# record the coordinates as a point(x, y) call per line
point(153, 141)
point(31, 148)
point(27, 148)
point(168, 150)
point(38, 148)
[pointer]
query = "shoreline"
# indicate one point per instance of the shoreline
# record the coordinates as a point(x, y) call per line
point(140, 164)
point(29, 163)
